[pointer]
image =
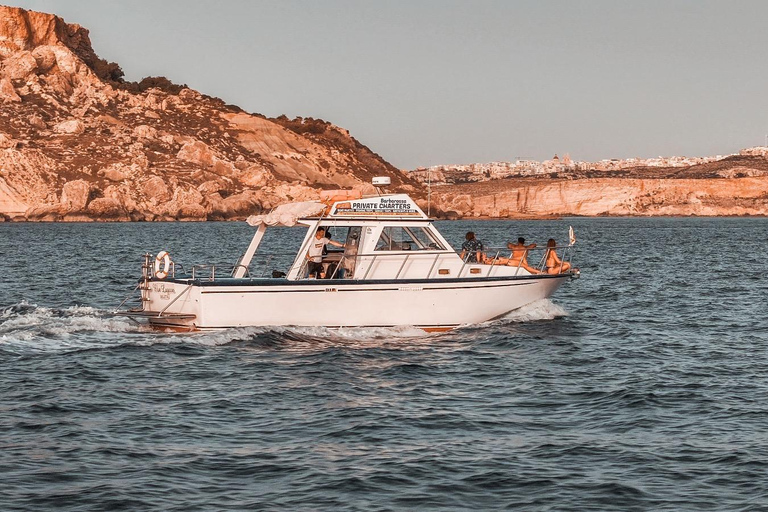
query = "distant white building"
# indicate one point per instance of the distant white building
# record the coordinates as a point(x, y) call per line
point(754, 151)
point(448, 174)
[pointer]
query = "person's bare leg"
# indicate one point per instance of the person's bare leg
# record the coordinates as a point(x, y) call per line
point(530, 269)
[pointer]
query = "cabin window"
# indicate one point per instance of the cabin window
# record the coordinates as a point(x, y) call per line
point(349, 236)
point(398, 238)
point(340, 262)
point(425, 238)
point(337, 234)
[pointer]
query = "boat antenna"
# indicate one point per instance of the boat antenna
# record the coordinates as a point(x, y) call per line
point(381, 181)
point(429, 192)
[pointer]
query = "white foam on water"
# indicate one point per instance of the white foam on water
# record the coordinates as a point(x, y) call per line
point(210, 338)
point(27, 327)
point(303, 337)
point(542, 309)
point(362, 333)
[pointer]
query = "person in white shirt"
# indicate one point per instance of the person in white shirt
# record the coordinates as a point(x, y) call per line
point(315, 253)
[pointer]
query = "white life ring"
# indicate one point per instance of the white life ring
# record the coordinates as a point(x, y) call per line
point(165, 259)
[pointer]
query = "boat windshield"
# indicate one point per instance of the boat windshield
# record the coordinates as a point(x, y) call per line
point(399, 238)
point(343, 234)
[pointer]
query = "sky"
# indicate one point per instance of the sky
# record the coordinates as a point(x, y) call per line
point(431, 82)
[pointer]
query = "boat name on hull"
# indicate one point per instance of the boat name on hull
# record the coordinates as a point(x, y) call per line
point(165, 292)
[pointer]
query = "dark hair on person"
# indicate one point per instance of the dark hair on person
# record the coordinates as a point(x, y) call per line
point(320, 229)
point(520, 240)
point(470, 235)
point(551, 244)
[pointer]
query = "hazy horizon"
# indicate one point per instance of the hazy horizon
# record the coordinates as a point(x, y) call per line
point(452, 82)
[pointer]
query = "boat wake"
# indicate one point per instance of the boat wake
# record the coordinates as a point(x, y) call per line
point(28, 328)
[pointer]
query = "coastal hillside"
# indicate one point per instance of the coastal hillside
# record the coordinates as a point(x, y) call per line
point(77, 142)
point(553, 197)
point(722, 185)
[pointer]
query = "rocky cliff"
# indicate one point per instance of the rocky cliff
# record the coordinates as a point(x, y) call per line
point(79, 143)
point(520, 198)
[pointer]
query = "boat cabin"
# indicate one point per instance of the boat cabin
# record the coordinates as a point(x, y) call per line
point(384, 237)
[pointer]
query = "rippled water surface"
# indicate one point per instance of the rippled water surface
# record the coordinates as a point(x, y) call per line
point(641, 386)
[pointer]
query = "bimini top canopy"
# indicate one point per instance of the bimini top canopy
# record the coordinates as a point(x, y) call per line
point(287, 214)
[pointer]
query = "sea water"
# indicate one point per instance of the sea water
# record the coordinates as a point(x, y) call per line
point(641, 386)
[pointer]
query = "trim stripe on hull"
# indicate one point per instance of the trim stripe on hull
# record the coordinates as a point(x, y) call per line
point(350, 289)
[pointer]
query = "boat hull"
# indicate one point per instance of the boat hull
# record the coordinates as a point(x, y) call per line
point(428, 304)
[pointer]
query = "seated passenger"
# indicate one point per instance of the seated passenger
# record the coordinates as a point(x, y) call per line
point(552, 262)
point(519, 255)
point(472, 249)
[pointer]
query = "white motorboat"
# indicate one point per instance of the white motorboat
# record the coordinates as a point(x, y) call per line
point(394, 269)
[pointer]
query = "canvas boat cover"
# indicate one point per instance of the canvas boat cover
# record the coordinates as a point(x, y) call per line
point(287, 214)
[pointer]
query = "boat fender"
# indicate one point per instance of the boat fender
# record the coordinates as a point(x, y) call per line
point(165, 259)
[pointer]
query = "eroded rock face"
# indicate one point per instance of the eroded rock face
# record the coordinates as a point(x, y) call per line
point(6, 142)
point(145, 132)
point(606, 196)
point(117, 172)
point(36, 121)
point(156, 190)
point(71, 127)
point(107, 208)
point(7, 92)
point(77, 142)
point(74, 196)
point(197, 152)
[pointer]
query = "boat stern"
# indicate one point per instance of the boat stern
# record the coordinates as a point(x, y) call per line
point(166, 302)
point(170, 304)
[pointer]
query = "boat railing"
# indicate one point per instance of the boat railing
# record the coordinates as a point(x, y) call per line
point(493, 258)
point(260, 266)
point(341, 268)
point(361, 265)
point(535, 257)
